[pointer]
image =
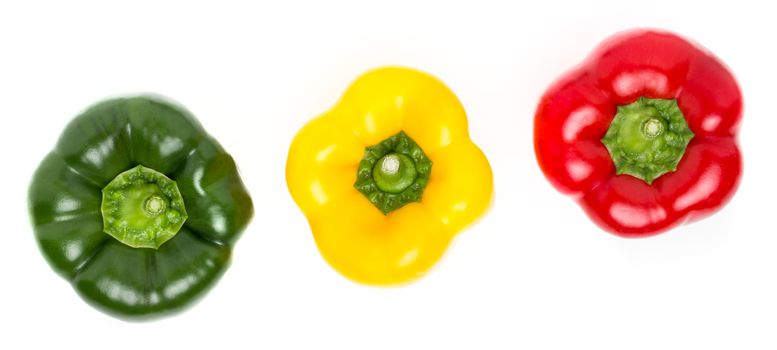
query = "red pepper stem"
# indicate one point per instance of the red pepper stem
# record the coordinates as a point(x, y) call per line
point(652, 128)
point(647, 138)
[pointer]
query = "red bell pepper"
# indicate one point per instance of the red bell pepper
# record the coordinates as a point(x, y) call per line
point(643, 134)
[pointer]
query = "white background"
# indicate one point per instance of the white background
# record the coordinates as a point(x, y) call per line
point(534, 273)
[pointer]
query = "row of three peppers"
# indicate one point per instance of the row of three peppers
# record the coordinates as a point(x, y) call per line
point(642, 134)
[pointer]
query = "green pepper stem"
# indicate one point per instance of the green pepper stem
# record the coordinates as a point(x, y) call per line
point(142, 208)
point(154, 205)
point(647, 138)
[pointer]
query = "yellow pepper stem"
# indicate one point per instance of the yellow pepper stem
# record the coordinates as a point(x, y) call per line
point(393, 173)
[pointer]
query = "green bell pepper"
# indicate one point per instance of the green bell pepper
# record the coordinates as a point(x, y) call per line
point(138, 207)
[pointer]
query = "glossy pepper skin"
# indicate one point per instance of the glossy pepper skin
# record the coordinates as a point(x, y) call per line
point(65, 204)
point(575, 113)
point(353, 235)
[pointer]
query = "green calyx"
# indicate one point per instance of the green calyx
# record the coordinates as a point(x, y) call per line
point(142, 208)
point(647, 138)
point(393, 173)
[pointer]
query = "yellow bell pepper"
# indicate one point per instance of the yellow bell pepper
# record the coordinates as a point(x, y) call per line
point(389, 176)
